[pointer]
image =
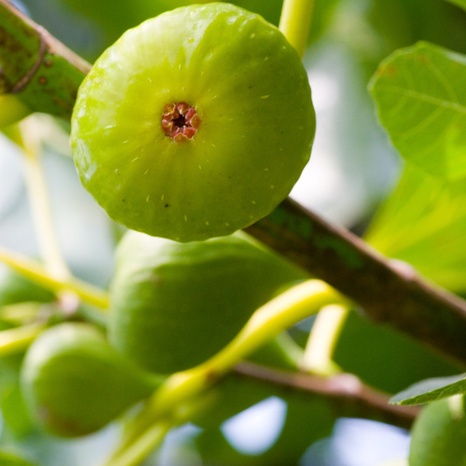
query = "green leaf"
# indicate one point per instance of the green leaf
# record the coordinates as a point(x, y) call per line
point(421, 101)
point(461, 3)
point(384, 358)
point(437, 437)
point(424, 214)
point(431, 390)
point(9, 458)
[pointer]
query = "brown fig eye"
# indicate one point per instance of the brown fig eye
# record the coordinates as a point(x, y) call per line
point(180, 121)
point(213, 127)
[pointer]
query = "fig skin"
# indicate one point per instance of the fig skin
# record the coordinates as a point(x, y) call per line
point(251, 94)
point(439, 433)
point(173, 305)
point(75, 383)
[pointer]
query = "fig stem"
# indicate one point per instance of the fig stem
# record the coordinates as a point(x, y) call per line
point(17, 339)
point(135, 449)
point(295, 22)
point(183, 388)
point(30, 142)
point(323, 337)
point(282, 312)
point(39, 274)
point(134, 454)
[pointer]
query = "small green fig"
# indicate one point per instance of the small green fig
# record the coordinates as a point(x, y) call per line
point(194, 124)
point(75, 383)
point(174, 304)
point(439, 434)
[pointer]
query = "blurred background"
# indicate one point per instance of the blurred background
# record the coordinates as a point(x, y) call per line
point(352, 170)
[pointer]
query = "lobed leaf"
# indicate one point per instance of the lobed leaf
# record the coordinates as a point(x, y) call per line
point(431, 390)
point(421, 101)
point(424, 213)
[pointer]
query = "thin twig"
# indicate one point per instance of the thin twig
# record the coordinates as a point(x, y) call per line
point(350, 395)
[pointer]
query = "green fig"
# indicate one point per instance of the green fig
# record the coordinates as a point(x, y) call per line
point(439, 434)
point(75, 383)
point(173, 305)
point(194, 124)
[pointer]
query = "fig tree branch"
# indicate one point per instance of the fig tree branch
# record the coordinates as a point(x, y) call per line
point(35, 66)
point(350, 396)
point(46, 75)
point(389, 292)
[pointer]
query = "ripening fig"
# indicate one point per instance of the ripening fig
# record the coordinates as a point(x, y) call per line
point(75, 383)
point(174, 304)
point(439, 434)
point(194, 124)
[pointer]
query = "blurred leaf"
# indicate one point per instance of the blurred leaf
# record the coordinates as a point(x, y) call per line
point(14, 411)
point(14, 289)
point(16, 420)
point(90, 26)
point(8, 458)
point(400, 23)
point(12, 109)
point(461, 3)
point(421, 101)
point(431, 390)
point(423, 222)
point(385, 358)
point(308, 419)
point(437, 437)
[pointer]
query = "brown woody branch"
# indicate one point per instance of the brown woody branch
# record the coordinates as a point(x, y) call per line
point(350, 397)
point(388, 292)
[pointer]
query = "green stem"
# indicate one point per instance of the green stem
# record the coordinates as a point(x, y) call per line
point(268, 321)
point(135, 449)
point(277, 315)
point(40, 275)
point(295, 22)
point(136, 453)
point(39, 199)
point(317, 357)
point(17, 339)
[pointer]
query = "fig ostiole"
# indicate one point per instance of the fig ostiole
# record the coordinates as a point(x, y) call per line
point(173, 305)
point(75, 383)
point(194, 124)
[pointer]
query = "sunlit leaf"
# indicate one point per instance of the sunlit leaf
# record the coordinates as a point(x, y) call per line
point(461, 3)
point(421, 101)
point(423, 223)
point(431, 390)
